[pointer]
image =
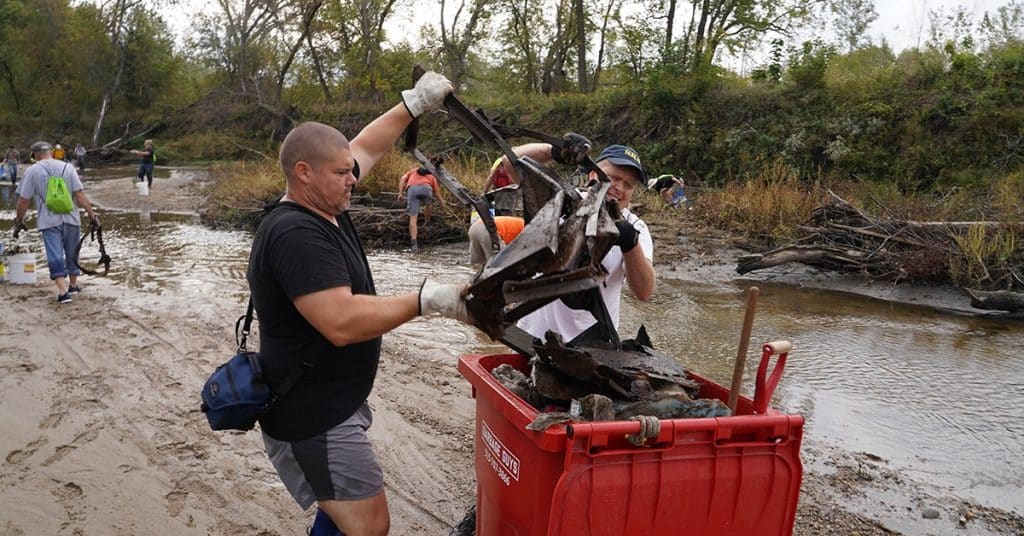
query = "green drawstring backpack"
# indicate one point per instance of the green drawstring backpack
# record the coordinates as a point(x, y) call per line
point(58, 198)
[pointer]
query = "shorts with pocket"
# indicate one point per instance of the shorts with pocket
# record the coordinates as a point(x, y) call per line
point(338, 464)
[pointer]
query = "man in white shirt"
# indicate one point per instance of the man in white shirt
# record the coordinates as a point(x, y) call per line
point(625, 262)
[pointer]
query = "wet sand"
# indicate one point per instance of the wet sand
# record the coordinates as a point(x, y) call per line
point(102, 432)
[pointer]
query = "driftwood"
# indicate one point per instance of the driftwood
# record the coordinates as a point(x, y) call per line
point(1000, 300)
point(839, 237)
point(389, 227)
point(124, 137)
point(816, 255)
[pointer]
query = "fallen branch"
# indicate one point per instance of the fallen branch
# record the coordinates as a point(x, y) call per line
point(999, 300)
point(838, 236)
point(802, 254)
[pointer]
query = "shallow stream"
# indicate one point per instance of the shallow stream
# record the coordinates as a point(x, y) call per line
point(939, 396)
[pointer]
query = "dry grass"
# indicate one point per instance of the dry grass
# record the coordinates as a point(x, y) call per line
point(986, 255)
point(768, 206)
point(237, 191)
point(383, 179)
point(1006, 198)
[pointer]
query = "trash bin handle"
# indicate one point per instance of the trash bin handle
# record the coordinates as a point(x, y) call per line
point(765, 387)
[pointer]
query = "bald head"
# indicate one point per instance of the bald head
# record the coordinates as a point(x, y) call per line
point(310, 142)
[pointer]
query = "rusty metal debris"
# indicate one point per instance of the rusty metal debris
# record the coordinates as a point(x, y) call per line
point(558, 255)
point(560, 249)
point(588, 383)
point(632, 372)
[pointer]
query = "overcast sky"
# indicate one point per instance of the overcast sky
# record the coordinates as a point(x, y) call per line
point(903, 23)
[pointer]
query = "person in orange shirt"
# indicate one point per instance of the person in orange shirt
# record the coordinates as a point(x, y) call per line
point(480, 248)
point(421, 188)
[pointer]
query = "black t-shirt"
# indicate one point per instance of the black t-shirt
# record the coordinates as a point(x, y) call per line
point(297, 252)
point(149, 158)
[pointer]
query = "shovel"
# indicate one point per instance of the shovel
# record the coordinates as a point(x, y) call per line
point(741, 355)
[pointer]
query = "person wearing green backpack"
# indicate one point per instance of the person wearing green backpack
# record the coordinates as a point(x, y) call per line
point(58, 194)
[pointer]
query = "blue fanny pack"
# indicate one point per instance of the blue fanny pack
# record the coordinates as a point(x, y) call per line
point(236, 395)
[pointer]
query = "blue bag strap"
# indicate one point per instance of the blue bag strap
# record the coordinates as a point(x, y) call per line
point(241, 336)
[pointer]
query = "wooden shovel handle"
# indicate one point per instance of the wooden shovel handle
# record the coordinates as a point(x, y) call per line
point(741, 354)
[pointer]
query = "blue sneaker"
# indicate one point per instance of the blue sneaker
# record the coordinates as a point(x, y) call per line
point(64, 298)
point(74, 290)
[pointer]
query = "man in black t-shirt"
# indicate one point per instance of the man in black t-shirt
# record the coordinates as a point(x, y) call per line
point(320, 318)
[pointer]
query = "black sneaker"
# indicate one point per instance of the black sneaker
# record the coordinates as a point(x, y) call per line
point(74, 290)
point(64, 298)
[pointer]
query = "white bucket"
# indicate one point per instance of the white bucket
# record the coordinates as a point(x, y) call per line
point(22, 269)
point(142, 187)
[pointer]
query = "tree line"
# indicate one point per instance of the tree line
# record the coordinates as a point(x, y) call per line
point(658, 73)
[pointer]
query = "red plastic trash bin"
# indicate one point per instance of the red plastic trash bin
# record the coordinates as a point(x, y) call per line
point(703, 477)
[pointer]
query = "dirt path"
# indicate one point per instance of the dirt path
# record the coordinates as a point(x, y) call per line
point(102, 433)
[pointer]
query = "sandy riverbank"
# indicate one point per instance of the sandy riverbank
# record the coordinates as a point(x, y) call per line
point(102, 432)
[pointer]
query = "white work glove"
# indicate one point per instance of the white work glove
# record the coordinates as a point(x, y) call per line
point(445, 300)
point(428, 94)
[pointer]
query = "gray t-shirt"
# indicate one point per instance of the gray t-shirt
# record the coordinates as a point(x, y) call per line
point(33, 186)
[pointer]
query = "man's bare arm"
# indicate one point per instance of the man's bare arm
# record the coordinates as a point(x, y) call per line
point(639, 274)
point(378, 137)
point(345, 318)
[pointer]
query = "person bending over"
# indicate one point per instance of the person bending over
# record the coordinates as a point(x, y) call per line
point(421, 188)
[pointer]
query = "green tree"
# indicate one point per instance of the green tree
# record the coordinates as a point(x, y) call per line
point(1005, 26)
point(851, 19)
point(458, 37)
point(730, 24)
point(356, 28)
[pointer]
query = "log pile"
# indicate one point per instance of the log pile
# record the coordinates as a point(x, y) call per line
point(389, 227)
point(839, 237)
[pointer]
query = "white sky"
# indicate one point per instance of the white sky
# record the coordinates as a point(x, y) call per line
point(903, 23)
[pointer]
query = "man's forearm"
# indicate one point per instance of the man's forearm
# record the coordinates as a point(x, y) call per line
point(541, 152)
point(639, 273)
point(83, 202)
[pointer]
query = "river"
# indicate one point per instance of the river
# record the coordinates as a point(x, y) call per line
point(937, 396)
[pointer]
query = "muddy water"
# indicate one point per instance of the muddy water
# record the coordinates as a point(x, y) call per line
point(938, 396)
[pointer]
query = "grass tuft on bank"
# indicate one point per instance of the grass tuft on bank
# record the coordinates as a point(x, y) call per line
point(238, 191)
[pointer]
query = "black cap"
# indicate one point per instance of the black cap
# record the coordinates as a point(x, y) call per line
point(621, 155)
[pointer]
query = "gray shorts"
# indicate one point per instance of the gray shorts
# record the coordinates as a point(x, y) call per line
point(420, 194)
point(338, 464)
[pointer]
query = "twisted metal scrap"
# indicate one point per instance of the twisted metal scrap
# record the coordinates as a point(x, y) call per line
point(560, 249)
point(95, 233)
